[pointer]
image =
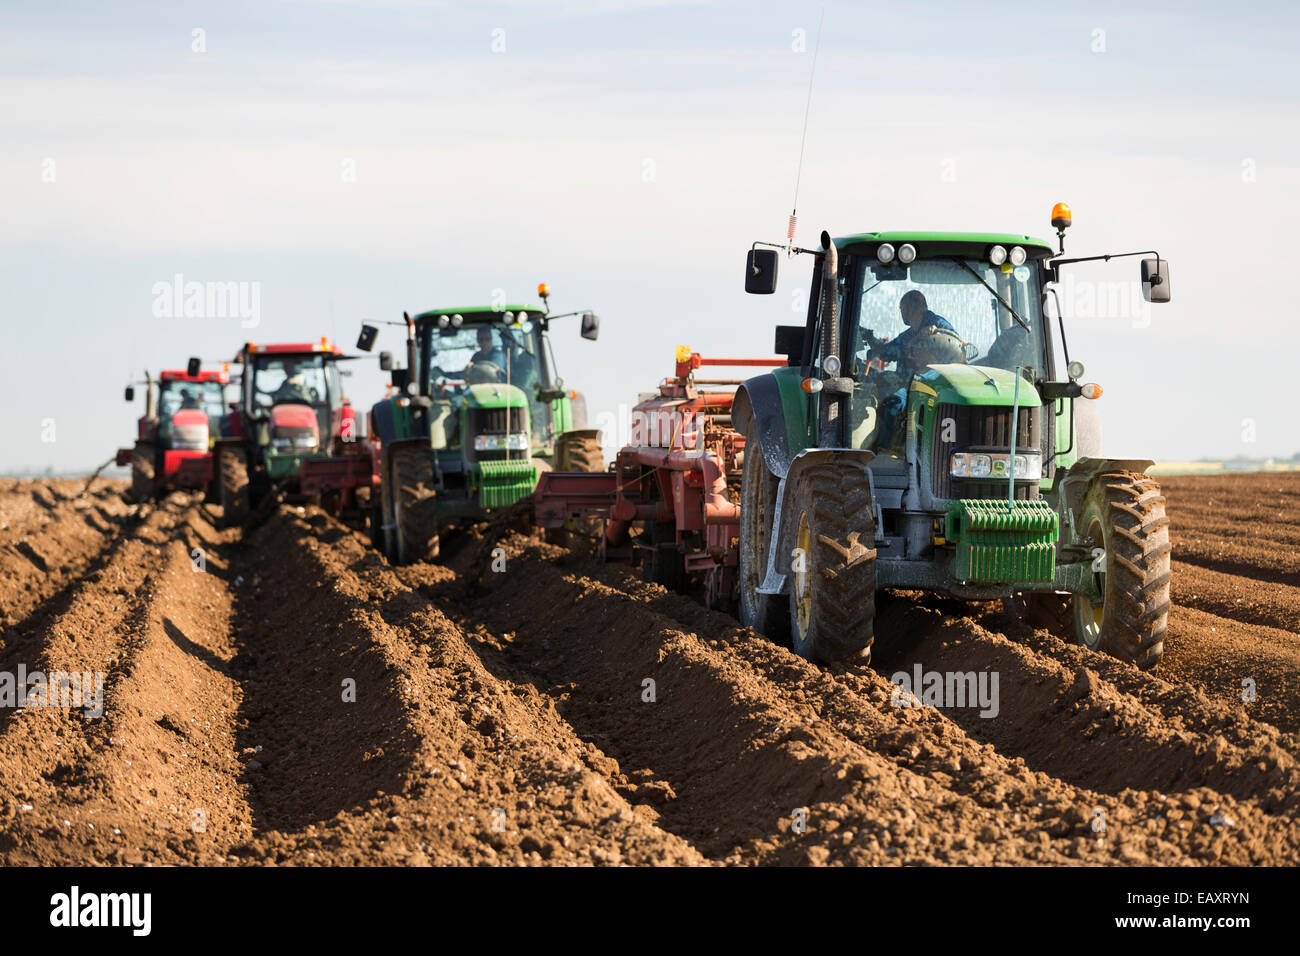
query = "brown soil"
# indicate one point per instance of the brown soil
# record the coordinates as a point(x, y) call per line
point(298, 700)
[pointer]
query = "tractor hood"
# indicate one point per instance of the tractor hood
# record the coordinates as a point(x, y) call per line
point(974, 385)
point(495, 395)
point(293, 417)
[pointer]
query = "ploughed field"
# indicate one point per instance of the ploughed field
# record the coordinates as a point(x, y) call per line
point(286, 696)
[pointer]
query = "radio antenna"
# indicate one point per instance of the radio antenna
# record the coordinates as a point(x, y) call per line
point(794, 208)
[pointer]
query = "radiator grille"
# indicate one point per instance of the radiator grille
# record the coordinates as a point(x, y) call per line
point(986, 428)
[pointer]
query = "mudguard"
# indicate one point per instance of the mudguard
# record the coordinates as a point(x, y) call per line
point(783, 534)
point(1072, 484)
point(759, 400)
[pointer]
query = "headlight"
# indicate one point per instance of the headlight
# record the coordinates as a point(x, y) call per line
point(885, 253)
point(906, 253)
point(515, 441)
point(973, 465)
point(831, 365)
point(1074, 370)
point(997, 255)
point(1017, 256)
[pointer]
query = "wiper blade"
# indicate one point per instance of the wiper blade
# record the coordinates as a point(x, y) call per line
point(1005, 304)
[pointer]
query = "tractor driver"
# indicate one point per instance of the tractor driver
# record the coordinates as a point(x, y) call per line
point(490, 352)
point(291, 390)
point(918, 318)
point(189, 399)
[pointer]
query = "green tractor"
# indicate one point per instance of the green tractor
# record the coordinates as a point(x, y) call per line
point(478, 413)
point(921, 438)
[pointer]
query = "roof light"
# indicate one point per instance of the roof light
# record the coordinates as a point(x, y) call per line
point(456, 320)
point(1091, 390)
point(885, 253)
point(1074, 370)
point(1017, 255)
point(906, 253)
point(543, 289)
point(997, 255)
point(443, 321)
point(831, 364)
point(1061, 216)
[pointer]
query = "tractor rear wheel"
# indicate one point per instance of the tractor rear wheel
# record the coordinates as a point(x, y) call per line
point(415, 510)
point(833, 591)
point(143, 469)
point(766, 613)
point(234, 494)
point(578, 450)
point(1123, 516)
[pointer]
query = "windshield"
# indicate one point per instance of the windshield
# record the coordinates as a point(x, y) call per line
point(480, 354)
point(939, 311)
point(283, 379)
point(454, 359)
point(204, 396)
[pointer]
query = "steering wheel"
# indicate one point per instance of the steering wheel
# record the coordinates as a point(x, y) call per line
point(483, 373)
point(936, 346)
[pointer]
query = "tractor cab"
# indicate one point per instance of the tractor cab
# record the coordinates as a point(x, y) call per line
point(480, 364)
point(953, 312)
point(181, 394)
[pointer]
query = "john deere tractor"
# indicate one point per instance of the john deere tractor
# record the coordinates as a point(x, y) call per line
point(478, 412)
point(922, 437)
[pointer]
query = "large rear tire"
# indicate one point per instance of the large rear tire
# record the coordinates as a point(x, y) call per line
point(766, 613)
point(415, 517)
point(143, 470)
point(833, 579)
point(1124, 515)
point(578, 450)
point(232, 467)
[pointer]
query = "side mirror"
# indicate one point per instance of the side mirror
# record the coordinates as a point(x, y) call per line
point(590, 325)
point(385, 361)
point(192, 368)
point(366, 340)
point(130, 393)
point(760, 271)
point(400, 378)
point(1155, 280)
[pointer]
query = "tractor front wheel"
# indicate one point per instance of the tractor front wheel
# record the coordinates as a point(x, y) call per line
point(1124, 518)
point(143, 470)
point(833, 591)
point(415, 517)
point(234, 494)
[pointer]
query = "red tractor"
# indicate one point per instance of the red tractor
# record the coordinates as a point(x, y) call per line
point(173, 446)
point(291, 433)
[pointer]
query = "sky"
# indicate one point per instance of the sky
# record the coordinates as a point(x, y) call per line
point(348, 161)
